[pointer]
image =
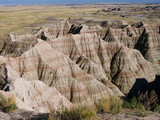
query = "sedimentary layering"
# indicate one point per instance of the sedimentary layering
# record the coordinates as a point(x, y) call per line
point(70, 65)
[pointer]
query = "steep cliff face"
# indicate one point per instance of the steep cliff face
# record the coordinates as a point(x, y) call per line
point(74, 65)
point(149, 45)
point(128, 65)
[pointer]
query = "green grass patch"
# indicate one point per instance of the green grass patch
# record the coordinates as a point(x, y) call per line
point(157, 108)
point(7, 104)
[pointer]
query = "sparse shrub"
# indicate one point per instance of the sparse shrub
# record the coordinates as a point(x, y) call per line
point(103, 105)
point(138, 106)
point(7, 104)
point(112, 104)
point(127, 104)
point(133, 104)
point(149, 100)
point(80, 113)
point(157, 108)
point(115, 104)
point(141, 113)
point(130, 103)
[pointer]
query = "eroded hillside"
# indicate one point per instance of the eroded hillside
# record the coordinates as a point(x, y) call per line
point(76, 64)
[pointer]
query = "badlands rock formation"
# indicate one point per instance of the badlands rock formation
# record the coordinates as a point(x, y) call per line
point(72, 65)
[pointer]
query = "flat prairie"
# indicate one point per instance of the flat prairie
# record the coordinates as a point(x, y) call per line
point(27, 18)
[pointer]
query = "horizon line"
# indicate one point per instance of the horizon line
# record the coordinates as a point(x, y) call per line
point(81, 3)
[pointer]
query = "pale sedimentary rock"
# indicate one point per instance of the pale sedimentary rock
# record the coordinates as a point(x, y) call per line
point(74, 65)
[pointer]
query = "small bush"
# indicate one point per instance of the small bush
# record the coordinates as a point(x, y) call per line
point(81, 113)
point(7, 104)
point(113, 105)
point(127, 104)
point(148, 99)
point(157, 108)
point(133, 104)
point(103, 105)
point(138, 106)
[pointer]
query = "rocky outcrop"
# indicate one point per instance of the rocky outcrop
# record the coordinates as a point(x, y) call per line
point(47, 98)
point(3, 76)
point(74, 65)
point(16, 45)
point(149, 45)
point(127, 65)
point(58, 30)
point(44, 63)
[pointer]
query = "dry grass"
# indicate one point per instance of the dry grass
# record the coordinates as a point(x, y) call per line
point(7, 104)
point(16, 18)
point(113, 105)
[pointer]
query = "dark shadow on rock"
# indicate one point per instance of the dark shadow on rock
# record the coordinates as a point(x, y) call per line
point(3, 76)
point(75, 29)
point(43, 37)
point(142, 85)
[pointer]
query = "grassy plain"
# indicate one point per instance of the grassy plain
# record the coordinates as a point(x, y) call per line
point(18, 18)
